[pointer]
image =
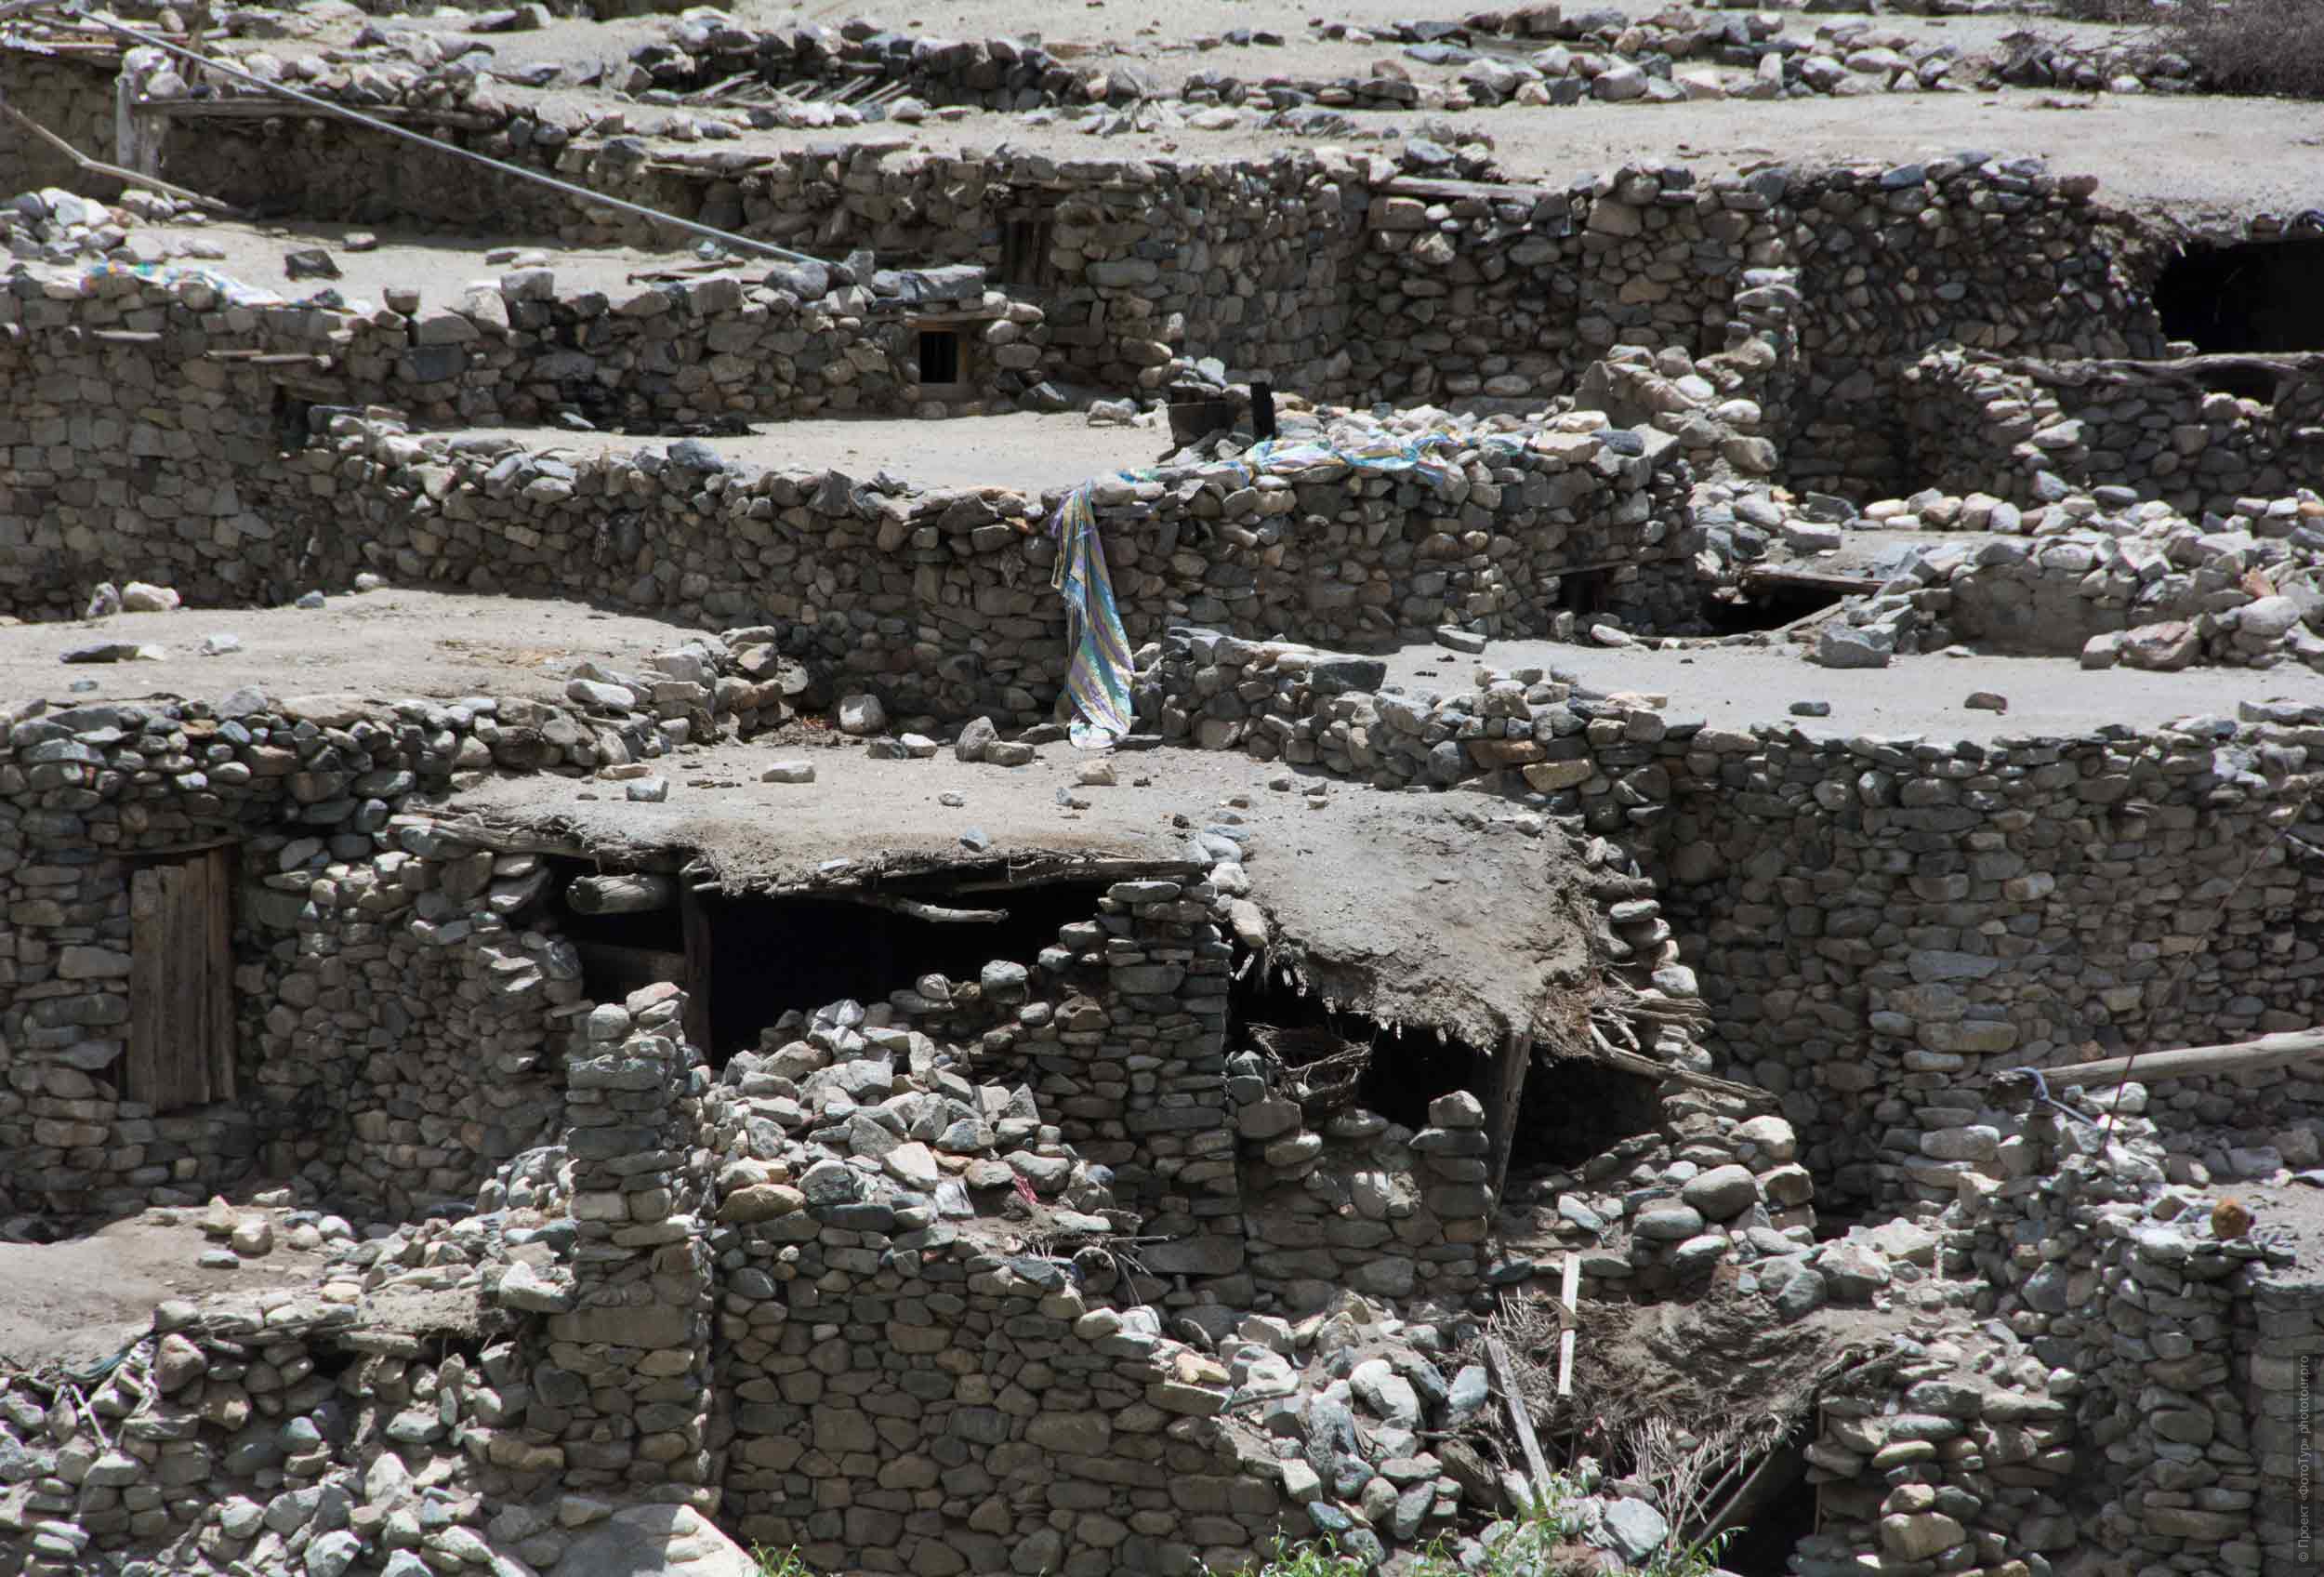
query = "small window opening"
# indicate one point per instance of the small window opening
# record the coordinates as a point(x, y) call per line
point(2251, 296)
point(2245, 380)
point(940, 355)
point(1024, 250)
point(293, 424)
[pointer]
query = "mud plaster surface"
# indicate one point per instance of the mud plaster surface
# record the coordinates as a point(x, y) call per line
point(1483, 920)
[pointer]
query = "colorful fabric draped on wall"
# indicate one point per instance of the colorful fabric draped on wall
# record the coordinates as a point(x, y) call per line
point(1096, 679)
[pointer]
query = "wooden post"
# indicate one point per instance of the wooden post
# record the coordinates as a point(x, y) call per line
point(2279, 1050)
point(135, 147)
point(1507, 1092)
point(1520, 1420)
point(1565, 1337)
point(694, 925)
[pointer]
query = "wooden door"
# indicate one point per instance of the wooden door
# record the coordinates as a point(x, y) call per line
point(181, 965)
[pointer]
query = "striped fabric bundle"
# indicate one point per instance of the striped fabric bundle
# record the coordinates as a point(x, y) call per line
point(1096, 679)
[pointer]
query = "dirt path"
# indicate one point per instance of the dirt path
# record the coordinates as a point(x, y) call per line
point(87, 1298)
point(1737, 686)
point(1023, 450)
point(381, 644)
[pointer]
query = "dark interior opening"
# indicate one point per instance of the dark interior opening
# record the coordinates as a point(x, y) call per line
point(1024, 250)
point(1407, 1068)
point(940, 355)
point(1771, 1529)
point(2251, 296)
point(749, 960)
point(769, 955)
point(2245, 380)
point(619, 952)
point(1728, 612)
point(1571, 1110)
point(1583, 591)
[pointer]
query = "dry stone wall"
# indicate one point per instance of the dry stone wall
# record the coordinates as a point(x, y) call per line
point(938, 600)
point(1499, 291)
point(705, 352)
point(71, 96)
point(347, 916)
point(1872, 919)
point(403, 1031)
point(2199, 434)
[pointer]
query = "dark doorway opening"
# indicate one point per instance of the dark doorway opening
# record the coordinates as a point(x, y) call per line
point(2249, 295)
point(744, 960)
point(1572, 1109)
point(1583, 591)
point(1780, 1515)
point(1729, 612)
point(767, 956)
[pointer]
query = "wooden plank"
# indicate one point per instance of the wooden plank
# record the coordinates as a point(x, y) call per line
point(1520, 1419)
point(148, 1005)
point(694, 925)
point(1777, 577)
point(1566, 1295)
point(165, 1021)
point(189, 935)
point(1500, 1116)
point(219, 984)
point(2279, 1050)
point(1647, 1067)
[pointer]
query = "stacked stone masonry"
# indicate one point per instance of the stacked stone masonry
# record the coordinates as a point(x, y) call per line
point(1872, 919)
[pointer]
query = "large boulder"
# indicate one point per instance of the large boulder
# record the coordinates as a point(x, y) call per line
point(656, 1541)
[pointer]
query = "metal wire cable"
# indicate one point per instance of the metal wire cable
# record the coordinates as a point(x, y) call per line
point(325, 106)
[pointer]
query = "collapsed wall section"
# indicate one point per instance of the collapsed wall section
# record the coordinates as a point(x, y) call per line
point(1993, 255)
point(2201, 433)
point(1872, 920)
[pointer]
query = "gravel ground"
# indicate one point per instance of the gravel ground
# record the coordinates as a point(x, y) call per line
point(384, 644)
point(1019, 450)
point(2193, 156)
point(87, 1298)
point(1737, 686)
point(440, 267)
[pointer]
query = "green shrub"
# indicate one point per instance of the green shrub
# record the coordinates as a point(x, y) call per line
point(1310, 1558)
point(2250, 46)
point(780, 1563)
